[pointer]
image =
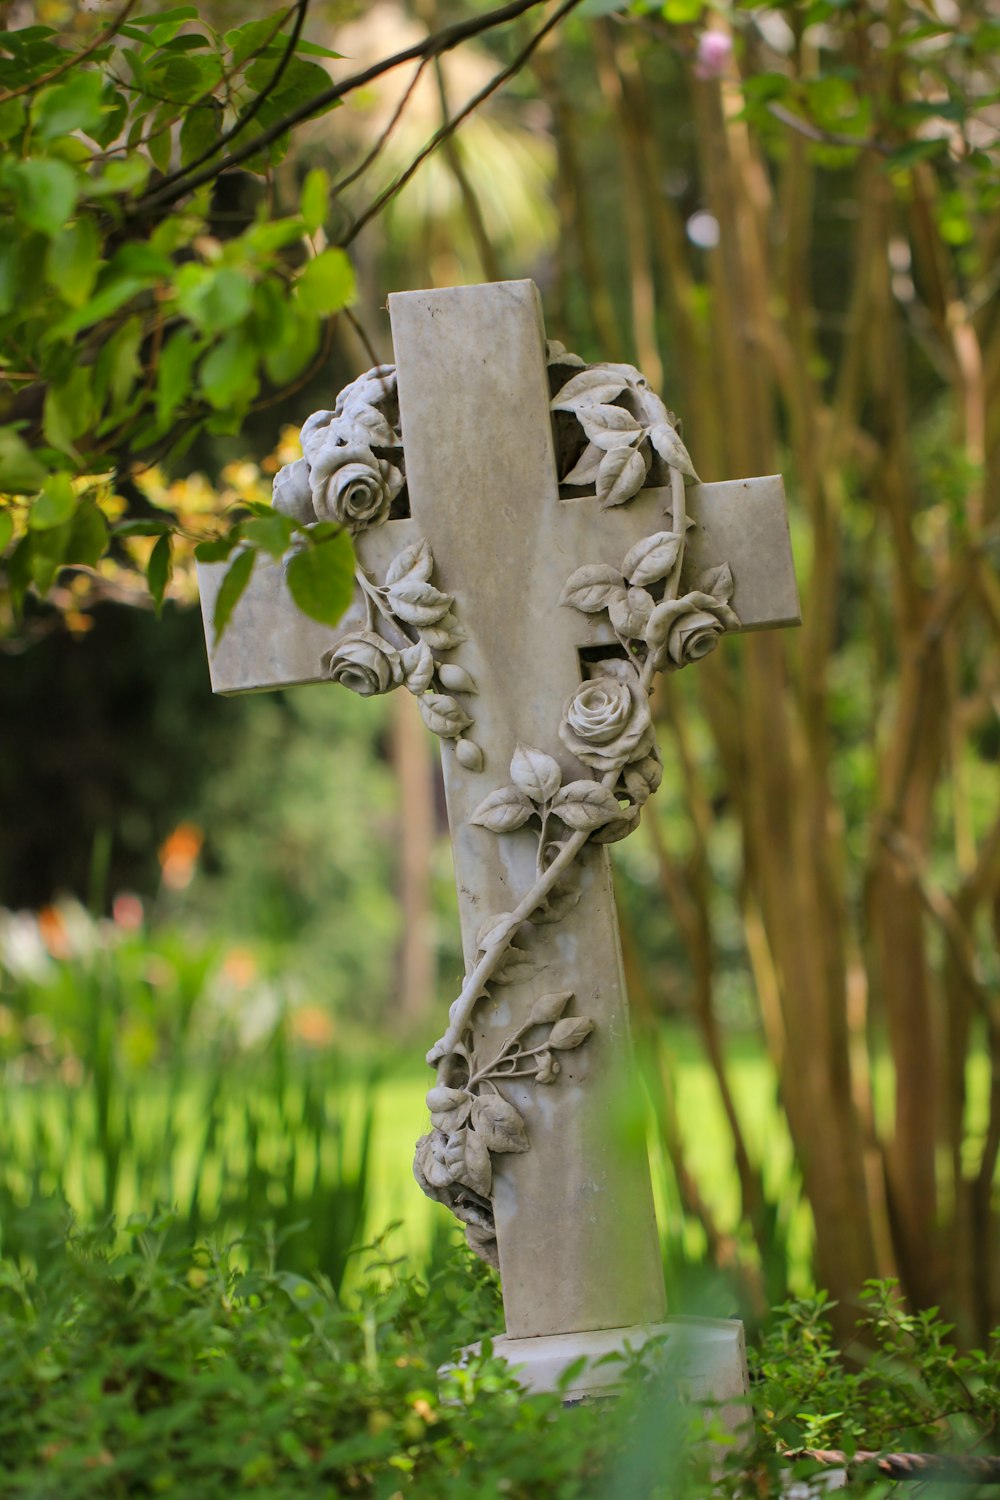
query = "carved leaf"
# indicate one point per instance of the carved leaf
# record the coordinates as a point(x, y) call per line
point(418, 603)
point(498, 1124)
point(456, 678)
point(492, 930)
point(590, 388)
point(503, 810)
point(535, 773)
point(566, 1034)
point(587, 466)
point(591, 588)
point(610, 426)
point(622, 474)
point(630, 612)
point(470, 757)
point(558, 354)
point(670, 448)
point(418, 667)
point(414, 562)
point(450, 1108)
point(652, 558)
point(515, 967)
point(559, 904)
point(585, 805)
point(445, 635)
point(442, 715)
point(718, 582)
point(476, 1169)
point(547, 1008)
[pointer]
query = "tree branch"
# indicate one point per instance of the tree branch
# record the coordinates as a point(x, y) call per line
point(74, 57)
point(450, 126)
point(432, 46)
point(241, 124)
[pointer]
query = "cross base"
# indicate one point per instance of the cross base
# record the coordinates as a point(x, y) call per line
point(706, 1358)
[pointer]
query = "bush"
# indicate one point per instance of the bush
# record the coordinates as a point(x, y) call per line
point(215, 1370)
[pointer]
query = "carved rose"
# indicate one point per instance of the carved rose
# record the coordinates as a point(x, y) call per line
point(607, 721)
point(292, 492)
point(685, 630)
point(365, 663)
point(352, 486)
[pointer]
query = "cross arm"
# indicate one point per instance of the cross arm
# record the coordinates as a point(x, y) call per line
point(269, 642)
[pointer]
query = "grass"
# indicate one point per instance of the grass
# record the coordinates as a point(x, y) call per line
point(292, 1135)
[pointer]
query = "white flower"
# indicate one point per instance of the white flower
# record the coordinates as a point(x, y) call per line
point(365, 663)
point(685, 630)
point(352, 486)
point(607, 720)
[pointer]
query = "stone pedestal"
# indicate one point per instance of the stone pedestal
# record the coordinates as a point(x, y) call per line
point(708, 1356)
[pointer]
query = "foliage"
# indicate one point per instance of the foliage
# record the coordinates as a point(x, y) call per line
point(143, 1070)
point(902, 1385)
point(143, 301)
point(159, 1368)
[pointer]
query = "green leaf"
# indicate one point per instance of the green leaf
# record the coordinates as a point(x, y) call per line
point(73, 105)
point(89, 536)
point(108, 299)
point(118, 365)
point(72, 259)
point(218, 549)
point(159, 17)
point(173, 375)
point(313, 49)
point(321, 578)
point(287, 358)
point(270, 235)
point(232, 586)
point(20, 471)
point(13, 113)
point(315, 200)
point(6, 529)
point(271, 532)
point(140, 528)
point(159, 142)
point(158, 570)
point(200, 130)
point(914, 152)
point(47, 553)
point(128, 175)
point(46, 191)
point(244, 41)
point(214, 299)
point(69, 409)
point(327, 283)
point(55, 505)
point(227, 374)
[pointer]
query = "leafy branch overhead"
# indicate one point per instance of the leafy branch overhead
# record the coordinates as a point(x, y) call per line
point(137, 309)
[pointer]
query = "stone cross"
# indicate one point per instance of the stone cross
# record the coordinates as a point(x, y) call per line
point(542, 615)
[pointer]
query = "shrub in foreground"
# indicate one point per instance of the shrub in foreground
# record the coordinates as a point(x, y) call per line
point(214, 1371)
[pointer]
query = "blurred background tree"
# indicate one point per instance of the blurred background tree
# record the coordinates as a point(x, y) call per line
point(789, 217)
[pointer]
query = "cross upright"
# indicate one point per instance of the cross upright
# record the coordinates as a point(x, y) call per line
point(553, 1171)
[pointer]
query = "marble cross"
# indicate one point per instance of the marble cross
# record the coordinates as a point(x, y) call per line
point(528, 616)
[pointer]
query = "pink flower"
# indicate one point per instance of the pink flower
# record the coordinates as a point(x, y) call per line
point(715, 48)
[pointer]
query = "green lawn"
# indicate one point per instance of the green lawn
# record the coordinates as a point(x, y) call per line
point(284, 1140)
